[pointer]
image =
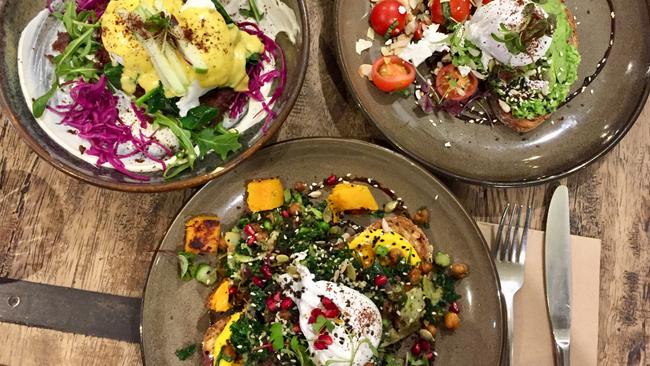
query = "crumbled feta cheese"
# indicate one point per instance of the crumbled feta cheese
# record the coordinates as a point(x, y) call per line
point(362, 45)
point(432, 41)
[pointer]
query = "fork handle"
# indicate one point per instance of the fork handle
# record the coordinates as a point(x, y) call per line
point(509, 301)
point(562, 354)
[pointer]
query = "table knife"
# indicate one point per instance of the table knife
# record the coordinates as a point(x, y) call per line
point(557, 263)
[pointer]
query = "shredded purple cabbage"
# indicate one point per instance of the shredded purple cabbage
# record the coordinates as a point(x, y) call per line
point(453, 107)
point(99, 6)
point(142, 117)
point(95, 115)
point(257, 79)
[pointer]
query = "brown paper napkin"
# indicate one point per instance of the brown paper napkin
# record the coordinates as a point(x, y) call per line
point(532, 334)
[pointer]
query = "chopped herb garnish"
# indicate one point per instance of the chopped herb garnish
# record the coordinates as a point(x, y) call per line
point(185, 353)
point(533, 27)
point(252, 11)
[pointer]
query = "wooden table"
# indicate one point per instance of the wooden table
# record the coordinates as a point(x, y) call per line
point(56, 230)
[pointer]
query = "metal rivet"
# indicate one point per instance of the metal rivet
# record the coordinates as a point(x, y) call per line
point(13, 301)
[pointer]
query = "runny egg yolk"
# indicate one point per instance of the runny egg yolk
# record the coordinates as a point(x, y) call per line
point(223, 48)
point(389, 240)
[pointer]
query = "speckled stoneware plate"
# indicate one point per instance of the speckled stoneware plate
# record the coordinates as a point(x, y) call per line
point(16, 14)
point(582, 131)
point(174, 313)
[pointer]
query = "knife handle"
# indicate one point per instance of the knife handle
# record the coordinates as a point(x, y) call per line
point(562, 354)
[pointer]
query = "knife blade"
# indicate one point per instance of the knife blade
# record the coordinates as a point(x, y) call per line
point(557, 263)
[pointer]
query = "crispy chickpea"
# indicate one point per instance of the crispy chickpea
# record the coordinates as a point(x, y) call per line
point(432, 329)
point(229, 350)
point(394, 255)
point(452, 321)
point(300, 186)
point(426, 267)
point(285, 314)
point(261, 235)
point(459, 270)
point(415, 276)
point(294, 209)
point(421, 216)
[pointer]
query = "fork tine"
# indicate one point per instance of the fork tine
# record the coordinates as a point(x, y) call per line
point(515, 236)
point(496, 248)
point(510, 236)
point(521, 255)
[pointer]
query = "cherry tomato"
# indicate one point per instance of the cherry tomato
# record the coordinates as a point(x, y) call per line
point(391, 73)
point(451, 85)
point(388, 14)
point(486, 1)
point(459, 10)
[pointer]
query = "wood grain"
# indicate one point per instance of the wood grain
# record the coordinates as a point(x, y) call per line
point(56, 230)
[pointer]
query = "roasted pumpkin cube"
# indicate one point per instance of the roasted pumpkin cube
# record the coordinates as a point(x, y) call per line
point(264, 194)
point(350, 197)
point(218, 299)
point(202, 234)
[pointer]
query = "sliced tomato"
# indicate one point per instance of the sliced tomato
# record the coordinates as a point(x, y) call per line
point(388, 15)
point(451, 85)
point(458, 10)
point(391, 74)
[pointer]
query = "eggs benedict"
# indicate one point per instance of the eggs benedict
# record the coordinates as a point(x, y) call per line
point(186, 47)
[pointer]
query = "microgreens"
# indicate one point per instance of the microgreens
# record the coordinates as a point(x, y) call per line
point(533, 27)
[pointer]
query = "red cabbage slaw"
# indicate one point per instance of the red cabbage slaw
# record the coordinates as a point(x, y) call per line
point(257, 80)
point(95, 115)
point(99, 6)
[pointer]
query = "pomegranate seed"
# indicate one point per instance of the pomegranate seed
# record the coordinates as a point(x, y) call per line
point(331, 313)
point(381, 280)
point(285, 213)
point(232, 290)
point(277, 296)
point(331, 180)
point(266, 271)
point(250, 241)
point(271, 304)
point(328, 303)
point(257, 281)
point(248, 229)
point(424, 345)
point(320, 345)
point(314, 315)
point(325, 338)
point(429, 355)
point(296, 329)
point(286, 304)
point(453, 307)
point(415, 350)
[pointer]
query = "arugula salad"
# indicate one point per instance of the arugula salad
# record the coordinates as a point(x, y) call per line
point(299, 280)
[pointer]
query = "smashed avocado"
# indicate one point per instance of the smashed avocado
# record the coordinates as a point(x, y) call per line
point(559, 69)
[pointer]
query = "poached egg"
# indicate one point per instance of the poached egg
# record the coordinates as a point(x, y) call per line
point(356, 334)
point(487, 20)
point(219, 50)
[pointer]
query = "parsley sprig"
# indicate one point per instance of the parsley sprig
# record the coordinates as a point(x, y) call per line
point(534, 26)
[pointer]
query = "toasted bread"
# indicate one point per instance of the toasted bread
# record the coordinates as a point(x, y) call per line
point(525, 125)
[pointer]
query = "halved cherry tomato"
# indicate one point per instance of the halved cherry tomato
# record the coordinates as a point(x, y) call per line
point(388, 14)
point(391, 74)
point(459, 10)
point(451, 85)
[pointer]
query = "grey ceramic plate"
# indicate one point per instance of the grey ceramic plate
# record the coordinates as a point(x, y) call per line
point(583, 130)
point(173, 311)
point(15, 14)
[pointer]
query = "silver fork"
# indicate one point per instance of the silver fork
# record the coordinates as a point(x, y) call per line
point(509, 253)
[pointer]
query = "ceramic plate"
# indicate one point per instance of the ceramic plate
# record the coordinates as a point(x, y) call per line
point(173, 310)
point(580, 132)
point(16, 14)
